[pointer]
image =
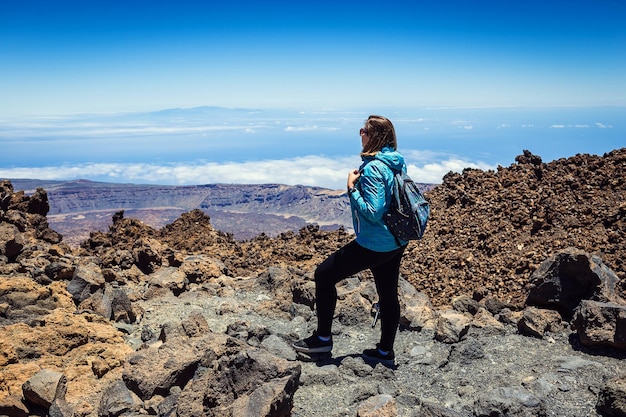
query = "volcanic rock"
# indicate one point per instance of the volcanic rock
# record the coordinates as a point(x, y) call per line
point(491, 230)
point(187, 321)
point(600, 323)
point(42, 388)
point(566, 278)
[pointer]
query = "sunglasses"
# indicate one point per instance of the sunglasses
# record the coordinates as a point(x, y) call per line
point(363, 131)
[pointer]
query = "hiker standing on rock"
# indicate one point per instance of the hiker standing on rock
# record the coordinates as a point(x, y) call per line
point(375, 247)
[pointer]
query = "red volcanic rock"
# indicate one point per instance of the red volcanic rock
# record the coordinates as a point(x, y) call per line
point(491, 229)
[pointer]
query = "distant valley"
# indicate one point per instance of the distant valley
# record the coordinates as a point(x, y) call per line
point(81, 206)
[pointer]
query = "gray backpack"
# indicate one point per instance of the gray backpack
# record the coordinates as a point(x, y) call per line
point(409, 210)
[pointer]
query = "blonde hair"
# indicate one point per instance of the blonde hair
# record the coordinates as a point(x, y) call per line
point(381, 133)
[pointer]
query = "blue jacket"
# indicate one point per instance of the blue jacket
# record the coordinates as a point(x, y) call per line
point(372, 198)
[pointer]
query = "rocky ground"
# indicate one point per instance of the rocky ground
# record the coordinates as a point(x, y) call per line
point(490, 230)
point(512, 305)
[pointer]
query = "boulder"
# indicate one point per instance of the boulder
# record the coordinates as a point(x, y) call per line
point(41, 389)
point(465, 304)
point(45, 233)
point(352, 307)
point(195, 325)
point(600, 323)
point(536, 322)
point(11, 241)
point(6, 190)
point(147, 255)
point(117, 400)
point(60, 270)
point(87, 279)
point(200, 268)
point(494, 305)
point(244, 383)
point(279, 347)
point(44, 387)
point(22, 298)
point(98, 303)
point(304, 293)
point(13, 406)
point(20, 219)
point(174, 362)
point(166, 407)
point(272, 398)
point(451, 326)
point(564, 279)
point(487, 323)
point(61, 408)
point(416, 311)
point(156, 370)
point(169, 278)
point(122, 308)
point(36, 203)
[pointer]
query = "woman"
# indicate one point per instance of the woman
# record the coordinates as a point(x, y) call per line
point(375, 248)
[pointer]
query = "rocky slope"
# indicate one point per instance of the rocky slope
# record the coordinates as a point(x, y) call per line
point(512, 305)
point(245, 211)
point(490, 230)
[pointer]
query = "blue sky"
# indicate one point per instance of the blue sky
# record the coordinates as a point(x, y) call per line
point(318, 67)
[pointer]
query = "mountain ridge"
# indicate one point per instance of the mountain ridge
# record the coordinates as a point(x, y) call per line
point(80, 206)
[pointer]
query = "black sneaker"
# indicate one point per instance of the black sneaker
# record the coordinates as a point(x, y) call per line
point(313, 344)
point(374, 355)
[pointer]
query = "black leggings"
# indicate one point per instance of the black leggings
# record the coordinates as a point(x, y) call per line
point(347, 261)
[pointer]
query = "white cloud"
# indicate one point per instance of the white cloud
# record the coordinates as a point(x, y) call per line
point(300, 128)
point(97, 130)
point(308, 128)
point(329, 172)
point(434, 172)
point(580, 126)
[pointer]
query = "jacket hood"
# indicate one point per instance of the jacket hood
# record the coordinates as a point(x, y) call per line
point(389, 156)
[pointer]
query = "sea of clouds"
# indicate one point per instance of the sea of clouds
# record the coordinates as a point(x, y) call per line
point(311, 170)
point(216, 145)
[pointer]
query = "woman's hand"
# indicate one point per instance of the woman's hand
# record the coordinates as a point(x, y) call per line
point(353, 176)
